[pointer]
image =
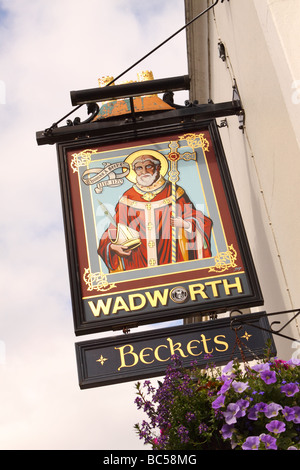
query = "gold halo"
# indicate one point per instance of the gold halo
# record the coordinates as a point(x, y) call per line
point(154, 153)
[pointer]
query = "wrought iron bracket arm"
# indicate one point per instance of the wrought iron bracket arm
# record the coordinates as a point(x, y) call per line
point(241, 319)
point(92, 110)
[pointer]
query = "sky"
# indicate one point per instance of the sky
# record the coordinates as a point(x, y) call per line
point(48, 49)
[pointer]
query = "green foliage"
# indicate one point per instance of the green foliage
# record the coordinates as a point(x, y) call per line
point(180, 413)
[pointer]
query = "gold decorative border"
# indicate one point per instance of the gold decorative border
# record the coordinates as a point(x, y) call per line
point(81, 159)
point(196, 141)
point(225, 260)
point(97, 281)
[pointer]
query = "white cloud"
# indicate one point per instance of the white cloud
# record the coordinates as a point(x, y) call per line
point(48, 49)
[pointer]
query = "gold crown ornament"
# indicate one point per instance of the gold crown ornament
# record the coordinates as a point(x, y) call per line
point(145, 75)
point(104, 81)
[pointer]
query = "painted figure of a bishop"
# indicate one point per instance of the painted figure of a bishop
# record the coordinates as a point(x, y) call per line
point(142, 234)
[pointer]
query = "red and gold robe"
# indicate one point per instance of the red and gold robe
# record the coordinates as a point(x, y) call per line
point(151, 218)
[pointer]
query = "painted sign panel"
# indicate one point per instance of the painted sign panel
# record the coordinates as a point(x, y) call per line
point(135, 356)
point(153, 229)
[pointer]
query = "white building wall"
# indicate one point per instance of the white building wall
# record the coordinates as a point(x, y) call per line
point(261, 40)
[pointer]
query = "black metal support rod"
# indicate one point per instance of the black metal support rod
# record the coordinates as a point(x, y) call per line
point(55, 124)
point(128, 90)
point(76, 99)
point(165, 41)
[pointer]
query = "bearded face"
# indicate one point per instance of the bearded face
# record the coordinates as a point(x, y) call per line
point(147, 179)
point(147, 170)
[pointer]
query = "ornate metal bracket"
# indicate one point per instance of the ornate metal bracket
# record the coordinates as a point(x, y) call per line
point(238, 321)
point(241, 113)
point(92, 109)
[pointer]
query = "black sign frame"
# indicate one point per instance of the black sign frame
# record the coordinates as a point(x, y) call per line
point(95, 320)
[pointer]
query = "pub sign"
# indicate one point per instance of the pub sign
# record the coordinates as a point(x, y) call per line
point(135, 356)
point(153, 228)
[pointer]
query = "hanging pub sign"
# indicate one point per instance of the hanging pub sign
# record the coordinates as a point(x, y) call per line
point(138, 355)
point(153, 228)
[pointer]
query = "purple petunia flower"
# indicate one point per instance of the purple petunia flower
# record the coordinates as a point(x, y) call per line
point(260, 367)
point(231, 412)
point(228, 368)
point(243, 405)
point(288, 413)
point(251, 443)
point(225, 386)
point(261, 406)
point(227, 431)
point(239, 387)
point(294, 362)
point(268, 376)
point(218, 402)
point(296, 418)
point(269, 441)
point(275, 426)
point(272, 410)
point(253, 414)
point(290, 389)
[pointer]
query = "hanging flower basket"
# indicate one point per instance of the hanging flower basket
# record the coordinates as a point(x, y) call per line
point(238, 407)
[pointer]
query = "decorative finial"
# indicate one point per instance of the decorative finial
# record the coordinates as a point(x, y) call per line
point(145, 75)
point(104, 81)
